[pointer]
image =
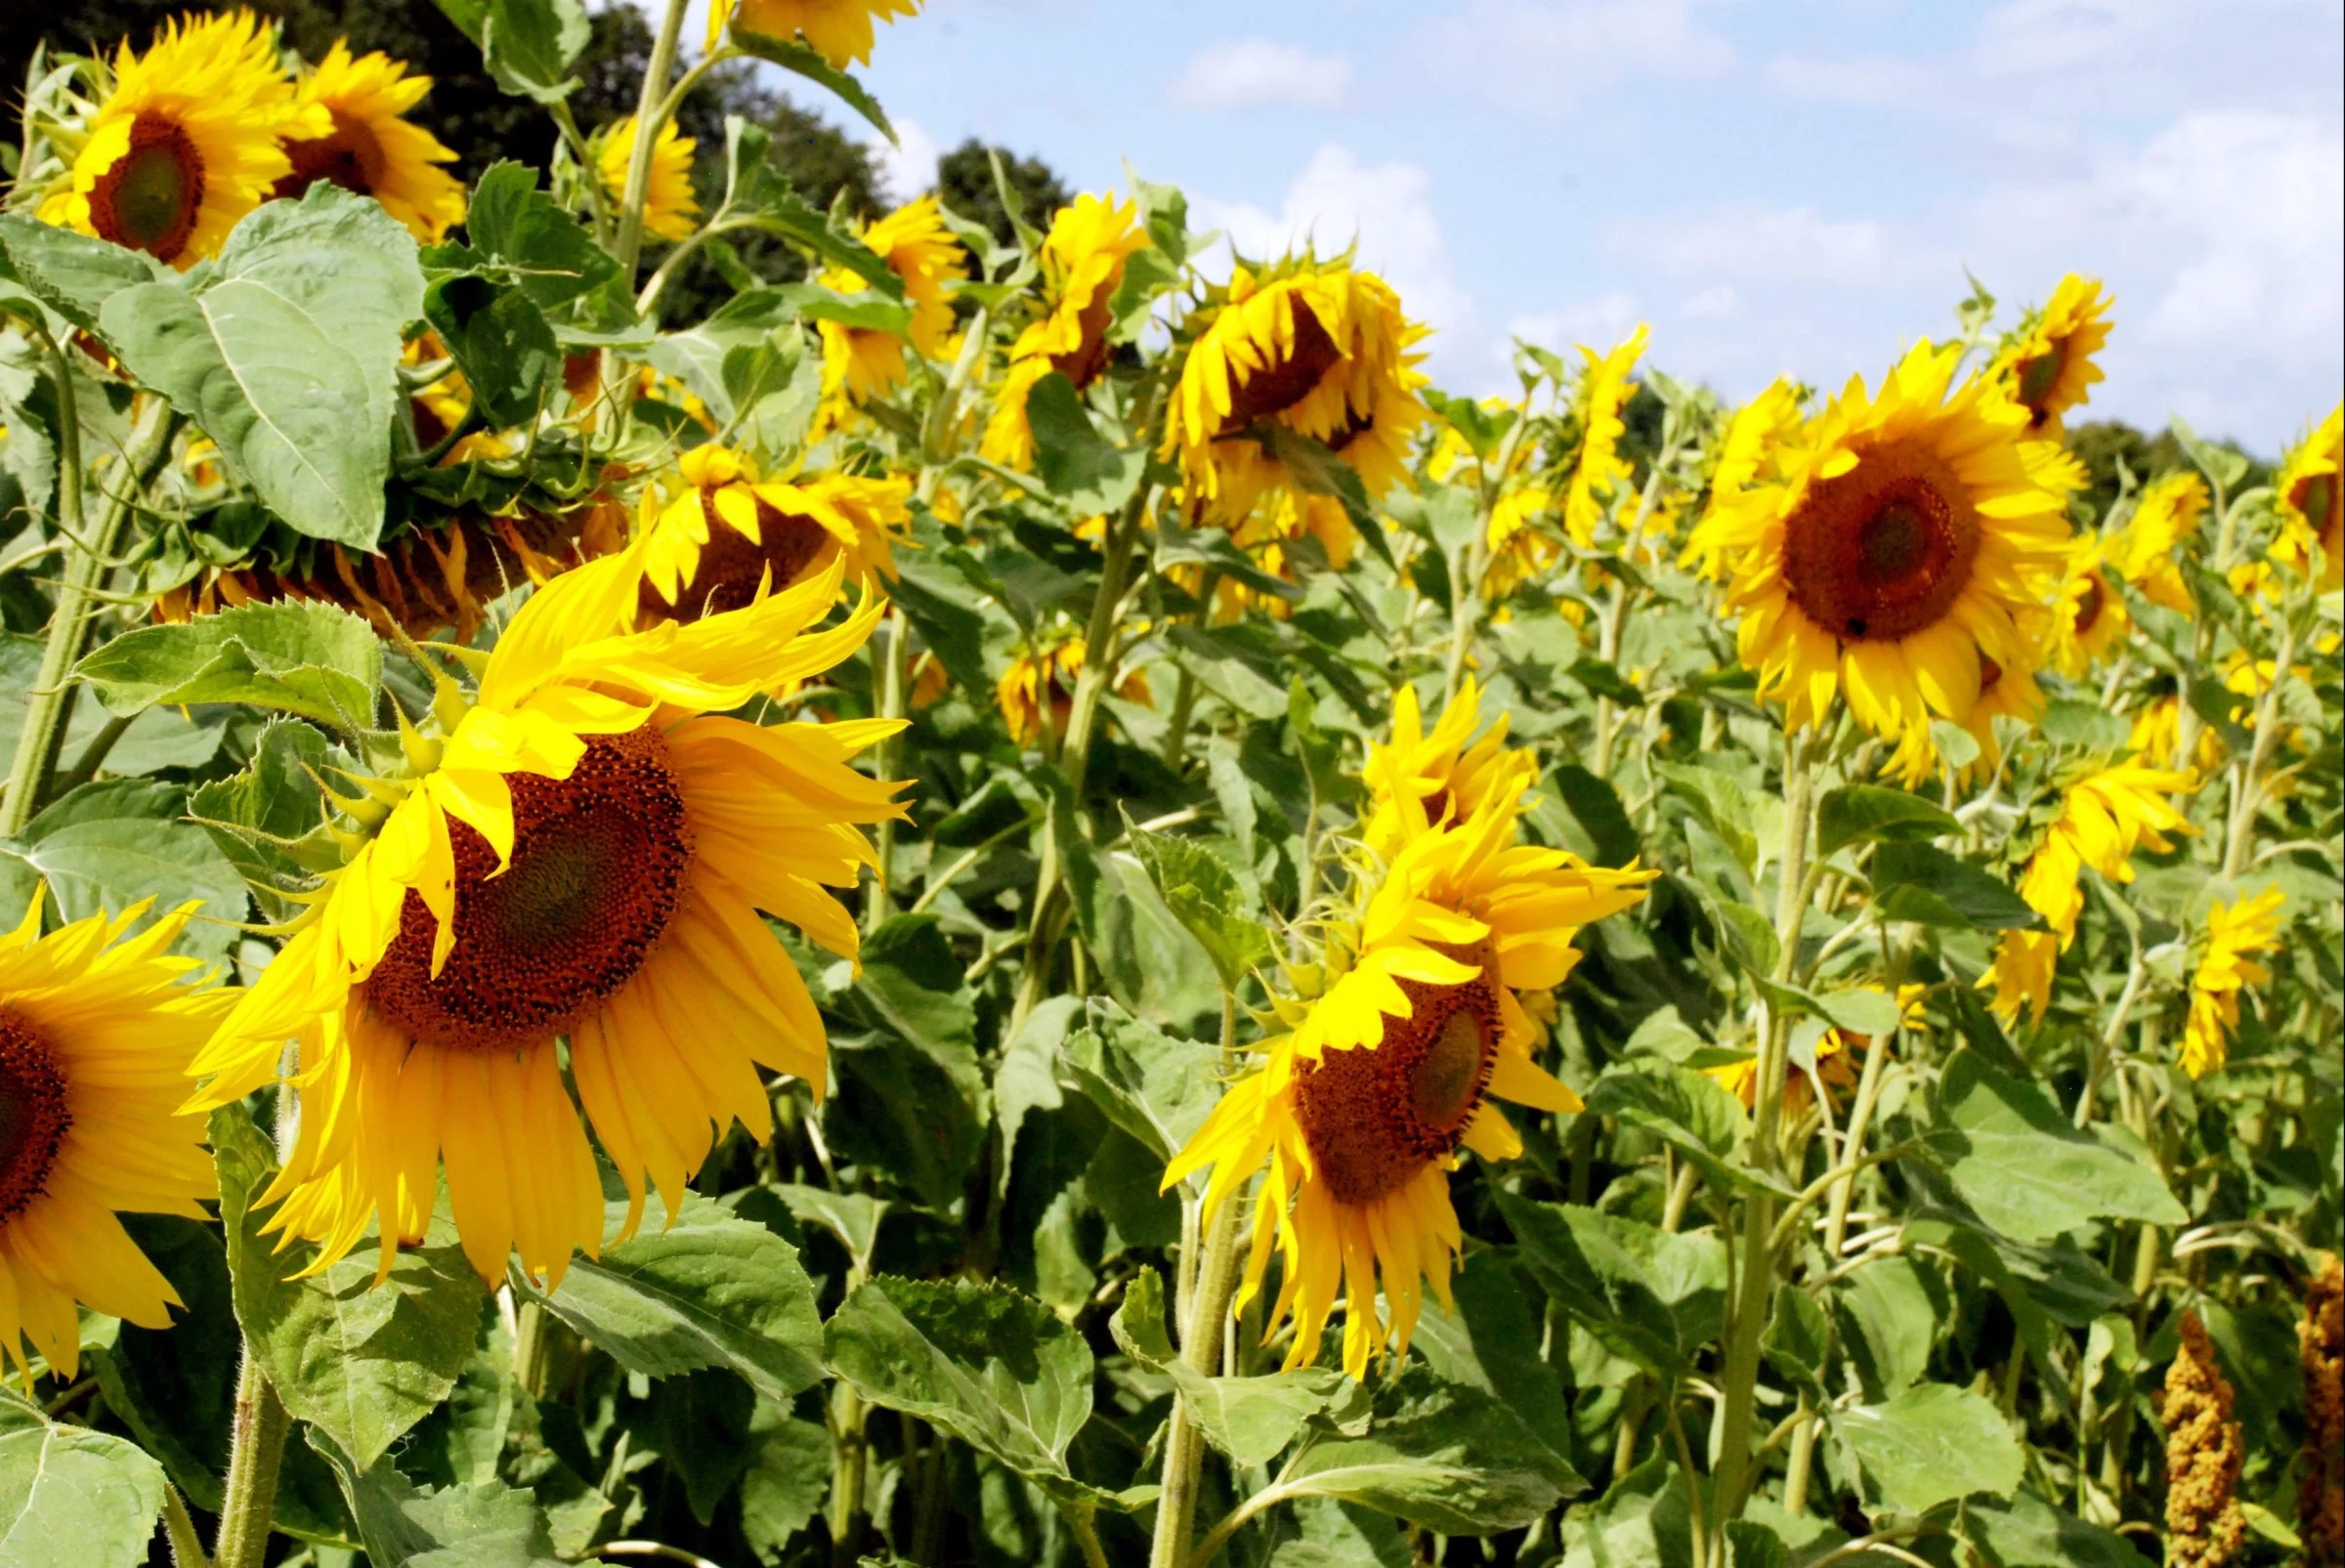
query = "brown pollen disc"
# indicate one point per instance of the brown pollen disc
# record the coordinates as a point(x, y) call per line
point(149, 197)
point(2037, 377)
point(732, 565)
point(1083, 363)
point(1990, 674)
point(349, 158)
point(2091, 603)
point(33, 1117)
point(1374, 1118)
point(1283, 383)
point(1882, 551)
point(598, 866)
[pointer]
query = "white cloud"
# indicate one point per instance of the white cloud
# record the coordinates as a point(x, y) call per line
point(1776, 245)
point(1388, 207)
point(1599, 323)
point(907, 167)
point(1711, 304)
point(1257, 74)
point(1536, 57)
point(1872, 80)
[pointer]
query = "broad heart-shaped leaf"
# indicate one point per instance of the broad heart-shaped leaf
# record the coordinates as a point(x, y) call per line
point(72, 273)
point(268, 817)
point(105, 847)
point(479, 1524)
point(519, 228)
point(697, 356)
point(1643, 1522)
point(1089, 472)
point(527, 45)
point(1923, 883)
point(711, 1291)
point(1249, 1419)
point(1152, 1085)
point(1653, 1295)
point(2030, 1532)
point(1447, 1457)
point(1932, 1444)
point(1856, 812)
point(298, 656)
point(360, 1362)
point(1206, 897)
point(754, 187)
point(501, 342)
point(2027, 1171)
point(995, 1369)
point(1688, 1110)
point(286, 351)
point(71, 1497)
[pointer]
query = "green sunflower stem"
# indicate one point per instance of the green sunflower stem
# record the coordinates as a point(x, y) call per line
point(89, 552)
point(890, 654)
point(1755, 1260)
point(257, 1448)
point(187, 1546)
point(649, 117)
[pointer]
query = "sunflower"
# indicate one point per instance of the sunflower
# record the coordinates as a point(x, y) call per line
point(2002, 693)
point(1518, 548)
point(1601, 472)
point(860, 363)
point(2047, 366)
point(1362, 1109)
point(2103, 816)
point(2312, 505)
point(372, 149)
point(2225, 969)
point(670, 210)
point(1307, 348)
point(2142, 552)
point(838, 30)
point(1751, 452)
point(1910, 541)
point(1421, 780)
point(187, 141)
point(1082, 263)
point(2089, 618)
point(2156, 735)
point(580, 854)
point(1037, 691)
point(729, 536)
point(95, 1027)
point(1271, 534)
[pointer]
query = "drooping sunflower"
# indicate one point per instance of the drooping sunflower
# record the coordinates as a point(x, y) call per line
point(1309, 348)
point(838, 30)
point(1081, 264)
point(2103, 816)
point(1036, 694)
point(2047, 368)
point(1910, 540)
point(1518, 548)
point(372, 149)
point(1273, 534)
point(728, 531)
point(2089, 618)
point(1425, 778)
point(1604, 393)
point(2157, 735)
point(670, 209)
point(860, 363)
point(187, 141)
point(579, 855)
point(96, 1025)
point(2232, 932)
point(2142, 552)
point(1360, 1110)
point(2309, 496)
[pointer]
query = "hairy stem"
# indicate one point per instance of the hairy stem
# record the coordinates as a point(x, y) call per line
point(256, 1449)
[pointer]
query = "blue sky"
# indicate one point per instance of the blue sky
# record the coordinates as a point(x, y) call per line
point(1776, 186)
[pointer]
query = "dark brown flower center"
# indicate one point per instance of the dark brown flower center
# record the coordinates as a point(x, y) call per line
point(732, 564)
point(1375, 1117)
point(33, 1117)
point(1083, 363)
point(1286, 380)
point(2038, 379)
point(1989, 673)
point(351, 157)
point(148, 198)
point(1882, 551)
point(598, 866)
point(2091, 603)
point(2316, 497)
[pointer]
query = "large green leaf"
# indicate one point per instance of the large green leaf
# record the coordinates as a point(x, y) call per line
point(71, 1497)
point(912, 1098)
point(995, 1369)
point(1206, 897)
point(518, 229)
point(1655, 1297)
point(1688, 1110)
point(711, 1291)
point(789, 1475)
point(1932, 1444)
point(297, 657)
point(72, 273)
point(793, 56)
point(103, 847)
point(1854, 812)
point(1249, 1419)
point(1451, 1458)
point(529, 45)
point(1090, 472)
point(1492, 1341)
point(2030, 1532)
point(1154, 1086)
point(2026, 1170)
point(477, 1524)
point(1923, 883)
point(286, 351)
point(268, 817)
point(360, 1362)
point(1643, 1522)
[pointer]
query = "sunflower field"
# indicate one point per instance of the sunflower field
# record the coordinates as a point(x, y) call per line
point(998, 895)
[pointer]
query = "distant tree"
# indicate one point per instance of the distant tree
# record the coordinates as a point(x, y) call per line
point(2103, 444)
point(965, 183)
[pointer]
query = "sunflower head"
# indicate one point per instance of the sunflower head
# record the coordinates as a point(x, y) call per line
point(1313, 349)
point(95, 1024)
point(2226, 968)
point(838, 30)
point(188, 140)
point(1081, 266)
point(860, 363)
point(2089, 618)
point(2142, 552)
point(1751, 453)
point(670, 209)
point(1422, 779)
point(371, 149)
point(1035, 692)
point(2311, 501)
point(1604, 393)
point(2047, 368)
point(730, 536)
